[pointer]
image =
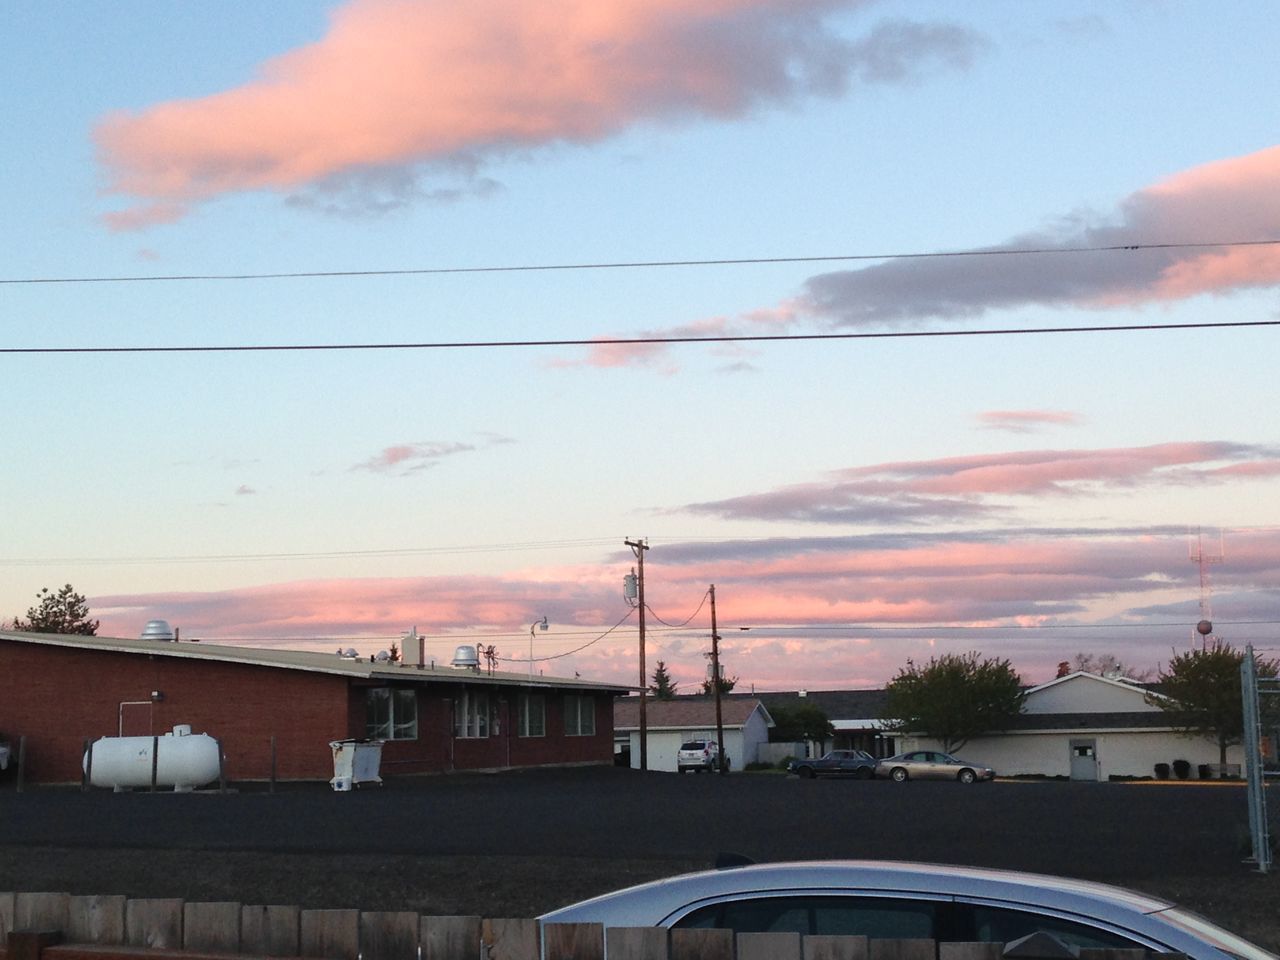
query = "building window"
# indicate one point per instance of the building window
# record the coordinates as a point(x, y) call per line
point(579, 716)
point(532, 719)
point(391, 714)
point(471, 715)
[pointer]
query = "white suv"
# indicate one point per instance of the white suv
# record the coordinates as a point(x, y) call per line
point(698, 755)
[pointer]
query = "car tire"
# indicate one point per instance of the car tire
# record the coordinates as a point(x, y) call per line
point(808, 773)
point(898, 775)
point(864, 773)
point(966, 776)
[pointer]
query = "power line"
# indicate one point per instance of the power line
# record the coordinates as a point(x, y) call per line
point(676, 626)
point(634, 341)
point(650, 264)
point(556, 656)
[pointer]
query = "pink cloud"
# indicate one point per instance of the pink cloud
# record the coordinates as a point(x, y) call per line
point(396, 84)
point(653, 348)
point(1236, 199)
point(407, 458)
point(963, 488)
point(1027, 421)
point(833, 612)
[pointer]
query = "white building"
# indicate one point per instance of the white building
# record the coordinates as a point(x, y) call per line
point(1087, 727)
point(671, 722)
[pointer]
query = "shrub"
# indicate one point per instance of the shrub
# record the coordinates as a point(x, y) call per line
point(1162, 771)
point(1182, 769)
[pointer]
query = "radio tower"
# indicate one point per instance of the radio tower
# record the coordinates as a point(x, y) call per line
point(1204, 629)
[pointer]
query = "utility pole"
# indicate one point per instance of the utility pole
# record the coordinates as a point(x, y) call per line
point(715, 680)
point(638, 547)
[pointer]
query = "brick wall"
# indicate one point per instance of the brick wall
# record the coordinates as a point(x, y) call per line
point(57, 697)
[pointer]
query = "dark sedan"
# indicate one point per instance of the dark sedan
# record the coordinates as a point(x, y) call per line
point(837, 763)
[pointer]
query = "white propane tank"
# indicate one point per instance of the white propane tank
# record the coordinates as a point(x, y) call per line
point(184, 760)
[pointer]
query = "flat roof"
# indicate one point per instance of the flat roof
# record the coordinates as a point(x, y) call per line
point(310, 662)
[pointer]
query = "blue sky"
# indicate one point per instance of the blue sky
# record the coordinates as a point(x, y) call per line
point(856, 502)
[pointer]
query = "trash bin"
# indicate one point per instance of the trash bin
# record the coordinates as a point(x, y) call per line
point(355, 762)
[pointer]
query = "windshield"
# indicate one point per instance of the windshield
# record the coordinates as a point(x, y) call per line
point(1202, 929)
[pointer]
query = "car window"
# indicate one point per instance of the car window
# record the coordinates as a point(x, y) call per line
point(690, 745)
point(1003, 925)
point(878, 918)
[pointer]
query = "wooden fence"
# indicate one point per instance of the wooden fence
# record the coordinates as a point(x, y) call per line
point(59, 926)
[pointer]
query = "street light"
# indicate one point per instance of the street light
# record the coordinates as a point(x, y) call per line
point(532, 627)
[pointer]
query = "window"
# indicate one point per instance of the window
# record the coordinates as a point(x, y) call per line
point(391, 713)
point(878, 918)
point(999, 925)
point(471, 715)
point(579, 716)
point(532, 718)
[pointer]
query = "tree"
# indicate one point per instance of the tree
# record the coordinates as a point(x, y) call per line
point(63, 612)
point(954, 698)
point(804, 721)
point(726, 684)
point(663, 687)
point(1201, 691)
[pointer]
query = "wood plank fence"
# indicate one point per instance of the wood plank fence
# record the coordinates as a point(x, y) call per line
point(60, 926)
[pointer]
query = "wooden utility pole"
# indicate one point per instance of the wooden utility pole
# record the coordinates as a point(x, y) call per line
point(638, 547)
point(715, 680)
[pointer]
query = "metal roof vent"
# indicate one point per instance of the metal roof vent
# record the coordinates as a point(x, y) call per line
point(157, 630)
point(466, 658)
point(351, 653)
point(382, 656)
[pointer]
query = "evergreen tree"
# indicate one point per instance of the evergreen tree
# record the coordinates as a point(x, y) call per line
point(63, 612)
point(663, 687)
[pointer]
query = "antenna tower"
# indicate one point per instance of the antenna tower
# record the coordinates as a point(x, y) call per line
point(1204, 629)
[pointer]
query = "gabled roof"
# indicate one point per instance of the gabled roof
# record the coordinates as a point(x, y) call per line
point(686, 713)
point(307, 662)
point(838, 705)
point(1122, 683)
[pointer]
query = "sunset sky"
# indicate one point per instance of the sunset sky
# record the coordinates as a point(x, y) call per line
point(856, 502)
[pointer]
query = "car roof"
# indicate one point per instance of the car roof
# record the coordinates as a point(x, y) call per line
point(651, 903)
point(1146, 917)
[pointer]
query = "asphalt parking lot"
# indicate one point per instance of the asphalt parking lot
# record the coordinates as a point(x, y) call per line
point(1102, 831)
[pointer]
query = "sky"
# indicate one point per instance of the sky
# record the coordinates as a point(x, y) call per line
point(871, 212)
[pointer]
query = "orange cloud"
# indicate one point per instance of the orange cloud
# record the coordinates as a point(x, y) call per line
point(397, 83)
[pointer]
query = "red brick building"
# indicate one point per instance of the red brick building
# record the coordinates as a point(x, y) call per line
point(57, 691)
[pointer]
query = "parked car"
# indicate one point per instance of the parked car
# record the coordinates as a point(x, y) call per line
point(894, 901)
point(4, 753)
point(698, 755)
point(836, 763)
point(932, 765)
